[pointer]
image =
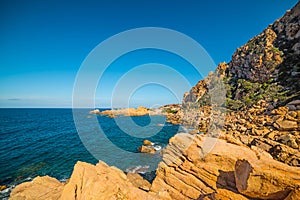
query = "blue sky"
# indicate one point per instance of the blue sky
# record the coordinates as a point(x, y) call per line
point(43, 43)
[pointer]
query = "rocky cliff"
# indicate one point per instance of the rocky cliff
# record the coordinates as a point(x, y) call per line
point(261, 106)
point(251, 141)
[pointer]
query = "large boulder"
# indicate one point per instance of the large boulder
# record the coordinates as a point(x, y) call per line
point(147, 149)
point(265, 178)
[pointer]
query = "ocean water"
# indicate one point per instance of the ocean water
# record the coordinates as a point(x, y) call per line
point(46, 142)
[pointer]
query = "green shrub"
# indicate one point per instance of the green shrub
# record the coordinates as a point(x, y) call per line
point(169, 110)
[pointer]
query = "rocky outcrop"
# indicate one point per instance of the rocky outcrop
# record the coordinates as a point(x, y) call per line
point(199, 167)
point(149, 147)
point(193, 167)
point(40, 188)
point(89, 182)
point(101, 182)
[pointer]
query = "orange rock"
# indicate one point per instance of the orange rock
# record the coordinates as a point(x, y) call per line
point(102, 182)
point(266, 178)
point(138, 181)
point(39, 189)
point(280, 111)
point(147, 142)
point(3, 187)
point(147, 149)
point(197, 166)
point(140, 111)
point(286, 125)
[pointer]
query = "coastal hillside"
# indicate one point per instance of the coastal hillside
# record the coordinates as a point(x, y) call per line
point(262, 92)
point(250, 144)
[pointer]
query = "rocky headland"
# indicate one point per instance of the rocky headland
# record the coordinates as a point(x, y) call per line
point(168, 110)
point(140, 111)
point(250, 146)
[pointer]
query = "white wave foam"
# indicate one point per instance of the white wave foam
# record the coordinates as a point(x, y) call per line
point(28, 179)
point(157, 147)
point(63, 180)
point(138, 169)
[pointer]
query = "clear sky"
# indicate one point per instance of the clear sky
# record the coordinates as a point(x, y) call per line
point(43, 43)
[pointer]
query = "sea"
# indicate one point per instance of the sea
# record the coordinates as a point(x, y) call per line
point(39, 142)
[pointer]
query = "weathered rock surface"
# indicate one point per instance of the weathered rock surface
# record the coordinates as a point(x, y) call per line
point(265, 178)
point(39, 189)
point(101, 182)
point(138, 181)
point(89, 182)
point(276, 132)
point(198, 167)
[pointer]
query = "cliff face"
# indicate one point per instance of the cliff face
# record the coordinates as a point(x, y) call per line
point(267, 67)
point(255, 153)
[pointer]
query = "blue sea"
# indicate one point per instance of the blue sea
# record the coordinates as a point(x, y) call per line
point(38, 142)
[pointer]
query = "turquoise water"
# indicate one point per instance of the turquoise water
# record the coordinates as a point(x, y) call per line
point(45, 142)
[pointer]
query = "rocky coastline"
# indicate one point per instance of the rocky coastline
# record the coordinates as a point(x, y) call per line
point(249, 149)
